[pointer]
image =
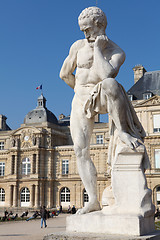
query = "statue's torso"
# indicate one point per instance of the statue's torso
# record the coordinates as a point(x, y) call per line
point(86, 77)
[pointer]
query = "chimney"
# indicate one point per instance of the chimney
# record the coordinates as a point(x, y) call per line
point(139, 72)
point(61, 116)
point(97, 118)
point(2, 122)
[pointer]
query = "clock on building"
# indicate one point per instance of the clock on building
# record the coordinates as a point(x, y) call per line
point(26, 138)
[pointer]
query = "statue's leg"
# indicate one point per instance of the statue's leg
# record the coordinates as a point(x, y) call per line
point(117, 108)
point(81, 131)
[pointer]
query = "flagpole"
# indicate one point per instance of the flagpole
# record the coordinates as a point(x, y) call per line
point(41, 90)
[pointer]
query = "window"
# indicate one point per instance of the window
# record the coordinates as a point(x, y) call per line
point(2, 168)
point(130, 97)
point(85, 197)
point(147, 95)
point(26, 166)
point(157, 158)
point(65, 167)
point(1, 145)
point(2, 195)
point(158, 195)
point(156, 123)
point(99, 139)
point(65, 195)
point(25, 197)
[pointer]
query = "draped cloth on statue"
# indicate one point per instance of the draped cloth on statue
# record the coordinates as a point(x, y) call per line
point(97, 104)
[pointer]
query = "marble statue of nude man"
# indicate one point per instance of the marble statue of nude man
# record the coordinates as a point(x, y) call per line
point(97, 60)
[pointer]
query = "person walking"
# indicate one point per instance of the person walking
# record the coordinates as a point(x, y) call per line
point(43, 213)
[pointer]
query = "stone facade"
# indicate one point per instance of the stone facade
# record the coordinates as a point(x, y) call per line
point(38, 164)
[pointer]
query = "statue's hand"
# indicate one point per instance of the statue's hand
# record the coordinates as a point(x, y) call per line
point(101, 42)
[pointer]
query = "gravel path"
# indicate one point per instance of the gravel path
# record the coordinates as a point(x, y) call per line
point(31, 230)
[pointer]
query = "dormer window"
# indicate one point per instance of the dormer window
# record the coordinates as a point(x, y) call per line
point(147, 95)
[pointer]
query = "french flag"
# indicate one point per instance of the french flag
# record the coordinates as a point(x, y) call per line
point(39, 87)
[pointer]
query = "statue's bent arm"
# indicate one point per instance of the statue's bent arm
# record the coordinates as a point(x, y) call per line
point(70, 65)
point(107, 68)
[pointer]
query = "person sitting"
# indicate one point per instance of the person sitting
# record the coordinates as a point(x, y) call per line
point(35, 215)
point(24, 214)
point(14, 217)
point(73, 211)
point(60, 209)
point(69, 209)
point(5, 213)
point(53, 214)
point(10, 213)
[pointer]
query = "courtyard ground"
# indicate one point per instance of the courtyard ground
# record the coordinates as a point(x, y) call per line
point(31, 230)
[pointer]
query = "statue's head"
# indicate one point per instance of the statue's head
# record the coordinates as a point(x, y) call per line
point(92, 22)
point(95, 14)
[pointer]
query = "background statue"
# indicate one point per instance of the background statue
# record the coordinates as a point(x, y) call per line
point(97, 61)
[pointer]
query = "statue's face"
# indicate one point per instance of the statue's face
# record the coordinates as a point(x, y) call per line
point(90, 29)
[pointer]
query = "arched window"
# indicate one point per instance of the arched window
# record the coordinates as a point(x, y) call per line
point(2, 195)
point(25, 197)
point(158, 195)
point(65, 196)
point(85, 197)
point(26, 166)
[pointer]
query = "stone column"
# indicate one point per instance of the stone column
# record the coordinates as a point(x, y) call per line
point(75, 191)
point(36, 196)
point(32, 164)
point(38, 163)
point(35, 162)
point(11, 195)
point(50, 195)
point(15, 196)
point(42, 194)
point(81, 195)
point(57, 195)
point(32, 195)
point(16, 165)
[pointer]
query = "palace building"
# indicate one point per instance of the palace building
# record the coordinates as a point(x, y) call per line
point(38, 164)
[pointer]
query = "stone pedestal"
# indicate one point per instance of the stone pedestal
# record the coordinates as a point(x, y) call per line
point(98, 222)
point(131, 212)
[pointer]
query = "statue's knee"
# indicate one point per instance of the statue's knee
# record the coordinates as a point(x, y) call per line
point(78, 151)
point(110, 86)
point(81, 152)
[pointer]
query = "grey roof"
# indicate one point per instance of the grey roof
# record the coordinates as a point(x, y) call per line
point(64, 121)
point(150, 82)
point(40, 113)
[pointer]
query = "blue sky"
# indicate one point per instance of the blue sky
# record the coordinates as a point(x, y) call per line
point(35, 37)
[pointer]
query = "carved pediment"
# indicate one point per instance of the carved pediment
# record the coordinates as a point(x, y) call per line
point(155, 100)
point(26, 137)
point(23, 130)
